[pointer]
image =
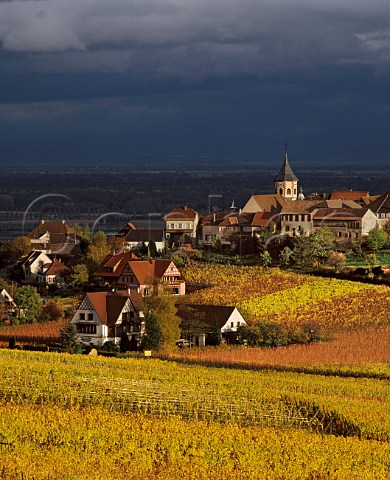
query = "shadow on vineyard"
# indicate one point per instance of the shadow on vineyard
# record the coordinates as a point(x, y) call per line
point(327, 371)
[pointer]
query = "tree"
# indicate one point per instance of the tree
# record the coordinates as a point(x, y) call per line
point(376, 239)
point(161, 305)
point(21, 246)
point(98, 249)
point(152, 249)
point(266, 259)
point(116, 244)
point(28, 303)
point(51, 312)
point(386, 227)
point(336, 260)
point(314, 248)
point(152, 339)
point(79, 276)
point(285, 255)
point(69, 339)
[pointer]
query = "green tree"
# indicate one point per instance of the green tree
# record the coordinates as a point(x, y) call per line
point(285, 255)
point(152, 249)
point(152, 339)
point(266, 259)
point(69, 339)
point(79, 276)
point(313, 248)
point(28, 303)
point(376, 239)
point(161, 305)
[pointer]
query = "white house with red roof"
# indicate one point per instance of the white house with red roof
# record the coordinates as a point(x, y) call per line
point(107, 316)
point(54, 237)
point(181, 221)
point(49, 273)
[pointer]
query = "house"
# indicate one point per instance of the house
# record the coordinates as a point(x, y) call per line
point(33, 264)
point(49, 273)
point(208, 324)
point(381, 208)
point(346, 224)
point(340, 216)
point(134, 237)
point(235, 225)
point(297, 217)
point(181, 221)
point(107, 316)
point(123, 271)
point(54, 237)
point(7, 304)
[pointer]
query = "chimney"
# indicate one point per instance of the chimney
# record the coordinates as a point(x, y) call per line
point(185, 207)
point(42, 221)
point(63, 221)
point(128, 291)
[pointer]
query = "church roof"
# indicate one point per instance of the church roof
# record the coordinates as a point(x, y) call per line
point(285, 173)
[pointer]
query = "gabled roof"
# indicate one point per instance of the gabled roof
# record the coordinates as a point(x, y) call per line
point(32, 257)
point(203, 316)
point(119, 260)
point(349, 195)
point(51, 227)
point(330, 214)
point(181, 213)
point(123, 231)
point(285, 173)
point(381, 204)
point(145, 235)
point(145, 270)
point(108, 305)
point(300, 206)
point(57, 268)
point(265, 203)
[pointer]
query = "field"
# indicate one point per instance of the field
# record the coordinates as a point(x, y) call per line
point(66, 416)
point(315, 412)
point(290, 299)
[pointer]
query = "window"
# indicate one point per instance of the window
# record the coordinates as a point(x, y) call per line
point(91, 329)
point(82, 316)
point(281, 191)
point(171, 225)
point(231, 324)
point(90, 316)
point(180, 225)
point(289, 191)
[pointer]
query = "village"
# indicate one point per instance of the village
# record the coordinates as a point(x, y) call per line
point(114, 275)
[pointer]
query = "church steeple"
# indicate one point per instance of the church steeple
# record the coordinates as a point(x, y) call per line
point(286, 183)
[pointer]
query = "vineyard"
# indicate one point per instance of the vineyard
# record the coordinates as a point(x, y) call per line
point(160, 419)
point(289, 299)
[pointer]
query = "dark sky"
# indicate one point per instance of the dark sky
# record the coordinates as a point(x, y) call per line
point(92, 81)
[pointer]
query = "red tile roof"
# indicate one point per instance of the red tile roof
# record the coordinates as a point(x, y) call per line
point(181, 213)
point(52, 227)
point(57, 268)
point(108, 305)
point(348, 195)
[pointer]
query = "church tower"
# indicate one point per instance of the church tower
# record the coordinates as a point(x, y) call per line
point(286, 183)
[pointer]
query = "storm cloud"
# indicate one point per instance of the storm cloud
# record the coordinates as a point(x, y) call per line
point(61, 59)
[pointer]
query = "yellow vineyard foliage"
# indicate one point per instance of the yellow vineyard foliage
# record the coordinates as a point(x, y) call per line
point(287, 298)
